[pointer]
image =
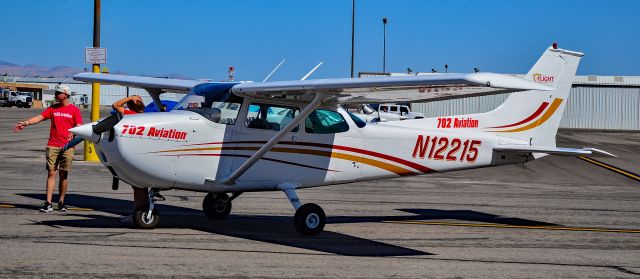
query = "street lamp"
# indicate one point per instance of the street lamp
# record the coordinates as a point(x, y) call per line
point(353, 32)
point(384, 45)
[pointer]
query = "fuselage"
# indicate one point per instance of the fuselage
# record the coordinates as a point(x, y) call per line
point(184, 149)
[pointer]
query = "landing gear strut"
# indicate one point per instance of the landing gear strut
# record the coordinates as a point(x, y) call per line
point(309, 218)
point(147, 217)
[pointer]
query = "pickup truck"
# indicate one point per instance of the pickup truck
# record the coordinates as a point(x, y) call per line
point(13, 98)
point(370, 115)
point(402, 110)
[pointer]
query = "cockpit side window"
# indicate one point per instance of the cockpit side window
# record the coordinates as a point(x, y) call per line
point(270, 117)
point(213, 101)
point(323, 121)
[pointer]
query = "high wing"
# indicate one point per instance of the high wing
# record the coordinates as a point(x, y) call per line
point(346, 90)
point(149, 83)
point(391, 89)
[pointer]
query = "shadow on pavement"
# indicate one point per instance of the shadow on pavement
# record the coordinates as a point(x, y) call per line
point(436, 214)
point(271, 229)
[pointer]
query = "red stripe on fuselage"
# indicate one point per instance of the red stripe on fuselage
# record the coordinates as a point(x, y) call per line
point(339, 147)
point(531, 117)
point(247, 156)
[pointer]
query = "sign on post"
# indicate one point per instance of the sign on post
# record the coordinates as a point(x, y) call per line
point(95, 55)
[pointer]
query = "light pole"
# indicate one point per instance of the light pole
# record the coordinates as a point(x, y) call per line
point(353, 29)
point(89, 148)
point(384, 45)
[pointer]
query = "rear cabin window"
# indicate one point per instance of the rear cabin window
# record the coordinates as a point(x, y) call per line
point(325, 122)
point(404, 110)
point(394, 109)
point(270, 117)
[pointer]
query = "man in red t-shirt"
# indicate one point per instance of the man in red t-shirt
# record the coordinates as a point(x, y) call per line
point(63, 116)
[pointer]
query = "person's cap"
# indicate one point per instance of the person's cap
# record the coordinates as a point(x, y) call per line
point(63, 89)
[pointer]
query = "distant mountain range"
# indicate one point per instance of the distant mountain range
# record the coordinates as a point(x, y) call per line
point(36, 70)
point(8, 68)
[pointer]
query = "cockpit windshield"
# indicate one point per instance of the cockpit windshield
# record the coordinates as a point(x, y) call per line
point(214, 101)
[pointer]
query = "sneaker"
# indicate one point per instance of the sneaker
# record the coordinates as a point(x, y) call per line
point(62, 207)
point(46, 207)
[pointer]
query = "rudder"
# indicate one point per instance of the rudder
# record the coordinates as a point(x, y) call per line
point(534, 115)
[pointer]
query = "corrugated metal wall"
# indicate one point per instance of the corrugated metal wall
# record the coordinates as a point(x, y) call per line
point(588, 107)
point(603, 108)
point(459, 106)
point(111, 93)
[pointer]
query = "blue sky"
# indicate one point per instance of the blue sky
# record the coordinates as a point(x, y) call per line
point(201, 39)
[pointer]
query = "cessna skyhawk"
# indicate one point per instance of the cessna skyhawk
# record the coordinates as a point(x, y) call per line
point(235, 137)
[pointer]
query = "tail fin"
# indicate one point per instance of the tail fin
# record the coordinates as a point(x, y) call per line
point(534, 115)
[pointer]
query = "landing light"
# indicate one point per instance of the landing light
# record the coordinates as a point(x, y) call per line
point(555, 45)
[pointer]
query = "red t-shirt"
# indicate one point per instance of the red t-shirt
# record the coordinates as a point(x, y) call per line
point(62, 118)
point(126, 111)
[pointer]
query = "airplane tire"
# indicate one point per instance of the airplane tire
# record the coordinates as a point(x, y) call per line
point(309, 219)
point(141, 221)
point(212, 206)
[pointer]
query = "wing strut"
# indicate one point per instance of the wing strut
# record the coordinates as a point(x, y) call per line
point(155, 96)
point(317, 101)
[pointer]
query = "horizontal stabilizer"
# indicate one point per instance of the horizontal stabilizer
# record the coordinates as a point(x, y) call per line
point(585, 151)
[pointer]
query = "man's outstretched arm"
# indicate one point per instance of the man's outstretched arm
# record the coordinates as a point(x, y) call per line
point(33, 120)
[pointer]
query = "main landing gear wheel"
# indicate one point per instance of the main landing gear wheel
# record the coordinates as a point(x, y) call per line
point(142, 219)
point(309, 219)
point(216, 206)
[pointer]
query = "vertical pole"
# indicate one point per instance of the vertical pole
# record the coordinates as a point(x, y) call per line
point(353, 29)
point(384, 45)
point(89, 148)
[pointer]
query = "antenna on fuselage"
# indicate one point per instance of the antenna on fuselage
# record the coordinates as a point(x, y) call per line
point(311, 72)
point(274, 70)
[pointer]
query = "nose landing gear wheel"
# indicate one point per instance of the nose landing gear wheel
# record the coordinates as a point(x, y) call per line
point(142, 220)
point(215, 206)
point(309, 219)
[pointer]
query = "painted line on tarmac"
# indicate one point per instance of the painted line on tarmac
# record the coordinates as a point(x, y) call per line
point(68, 208)
point(612, 168)
point(485, 225)
point(80, 209)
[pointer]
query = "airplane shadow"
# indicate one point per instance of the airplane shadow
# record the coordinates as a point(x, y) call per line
point(270, 229)
point(436, 214)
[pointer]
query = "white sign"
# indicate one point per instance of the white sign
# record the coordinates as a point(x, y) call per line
point(95, 55)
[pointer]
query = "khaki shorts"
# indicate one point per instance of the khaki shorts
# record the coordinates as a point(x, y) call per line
point(57, 161)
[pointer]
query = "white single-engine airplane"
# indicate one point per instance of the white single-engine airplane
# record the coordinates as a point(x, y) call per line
point(234, 137)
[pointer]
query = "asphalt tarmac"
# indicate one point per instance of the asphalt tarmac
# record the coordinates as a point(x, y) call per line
point(551, 218)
